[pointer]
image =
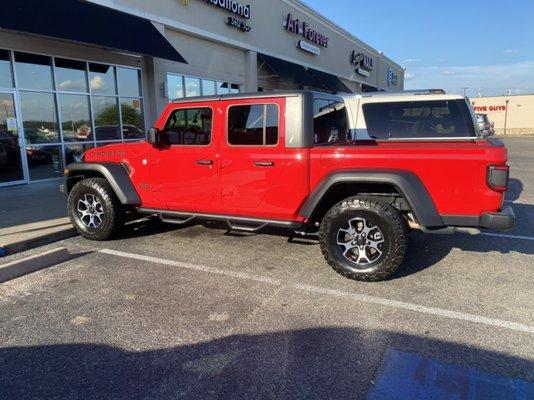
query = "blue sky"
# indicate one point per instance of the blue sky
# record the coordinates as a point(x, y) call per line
point(487, 46)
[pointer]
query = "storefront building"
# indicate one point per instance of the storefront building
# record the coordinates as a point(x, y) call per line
point(511, 115)
point(77, 74)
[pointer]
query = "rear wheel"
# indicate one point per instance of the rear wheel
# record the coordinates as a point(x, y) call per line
point(363, 239)
point(95, 210)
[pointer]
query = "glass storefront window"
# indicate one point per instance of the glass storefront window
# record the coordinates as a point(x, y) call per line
point(71, 76)
point(75, 117)
point(132, 119)
point(33, 71)
point(192, 87)
point(106, 114)
point(175, 84)
point(234, 88)
point(129, 82)
point(44, 162)
point(39, 117)
point(74, 152)
point(222, 88)
point(105, 144)
point(10, 160)
point(180, 86)
point(102, 79)
point(66, 107)
point(208, 88)
point(6, 77)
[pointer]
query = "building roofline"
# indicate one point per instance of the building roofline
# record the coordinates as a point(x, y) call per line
point(242, 45)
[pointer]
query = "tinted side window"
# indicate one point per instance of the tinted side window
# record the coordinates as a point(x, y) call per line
point(190, 126)
point(330, 122)
point(253, 125)
point(419, 119)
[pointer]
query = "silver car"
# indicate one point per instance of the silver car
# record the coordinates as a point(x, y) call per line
point(487, 128)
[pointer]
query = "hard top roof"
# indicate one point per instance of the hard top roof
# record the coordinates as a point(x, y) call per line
point(260, 95)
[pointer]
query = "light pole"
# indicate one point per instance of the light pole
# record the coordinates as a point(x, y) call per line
point(465, 89)
point(506, 116)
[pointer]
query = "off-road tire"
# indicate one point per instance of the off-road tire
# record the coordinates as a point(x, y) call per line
point(384, 216)
point(113, 219)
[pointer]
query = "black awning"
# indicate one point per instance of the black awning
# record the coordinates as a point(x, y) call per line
point(288, 70)
point(84, 22)
point(329, 82)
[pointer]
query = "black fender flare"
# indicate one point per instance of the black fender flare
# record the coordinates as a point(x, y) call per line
point(407, 184)
point(115, 174)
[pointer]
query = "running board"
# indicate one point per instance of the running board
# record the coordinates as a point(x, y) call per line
point(236, 223)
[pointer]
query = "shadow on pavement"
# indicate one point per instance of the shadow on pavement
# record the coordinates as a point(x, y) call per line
point(515, 189)
point(304, 364)
point(425, 250)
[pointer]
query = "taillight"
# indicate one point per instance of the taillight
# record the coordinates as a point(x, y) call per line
point(498, 177)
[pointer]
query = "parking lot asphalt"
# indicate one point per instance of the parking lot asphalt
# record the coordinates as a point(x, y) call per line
point(201, 313)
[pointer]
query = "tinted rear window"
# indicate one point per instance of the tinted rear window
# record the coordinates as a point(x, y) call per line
point(330, 122)
point(419, 119)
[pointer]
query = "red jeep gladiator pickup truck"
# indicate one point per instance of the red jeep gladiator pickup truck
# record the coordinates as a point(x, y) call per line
point(358, 170)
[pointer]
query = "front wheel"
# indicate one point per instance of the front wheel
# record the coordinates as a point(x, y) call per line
point(363, 239)
point(95, 210)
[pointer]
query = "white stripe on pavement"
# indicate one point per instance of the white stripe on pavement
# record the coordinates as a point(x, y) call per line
point(514, 326)
point(499, 235)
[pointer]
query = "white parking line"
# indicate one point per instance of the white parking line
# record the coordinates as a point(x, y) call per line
point(514, 326)
point(499, 235)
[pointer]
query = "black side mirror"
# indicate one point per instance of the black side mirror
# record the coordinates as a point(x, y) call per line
point(154, 136)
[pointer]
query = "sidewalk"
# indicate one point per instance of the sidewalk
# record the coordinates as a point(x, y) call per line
point(31, 216)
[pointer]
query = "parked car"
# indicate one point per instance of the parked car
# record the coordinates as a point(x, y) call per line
point(486, 127)
point(359, 171)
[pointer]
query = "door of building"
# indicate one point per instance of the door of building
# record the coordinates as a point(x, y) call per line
point(12, 162)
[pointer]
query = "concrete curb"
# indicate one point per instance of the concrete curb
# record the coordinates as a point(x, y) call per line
point(18, 268)
point(37, 241)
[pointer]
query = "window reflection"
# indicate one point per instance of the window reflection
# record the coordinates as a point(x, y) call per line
point(208, 88)
point(175, 85)
point(180, 86)
point(102, 79)
point(75, 118)
point(33, 71)
point(223, 88)
point(44, 162)
point(106, 114)
point(39, 117)
point(192, 87)
point(6, 77)
point(10, 162)
point(234, 88)
point(132, 119)
point(74, 153)
point(129, 82)
point(71, 75)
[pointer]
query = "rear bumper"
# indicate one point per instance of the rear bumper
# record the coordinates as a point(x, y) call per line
point(501, 221)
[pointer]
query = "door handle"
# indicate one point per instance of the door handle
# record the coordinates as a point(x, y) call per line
point(264, 163)
point(204, 162)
